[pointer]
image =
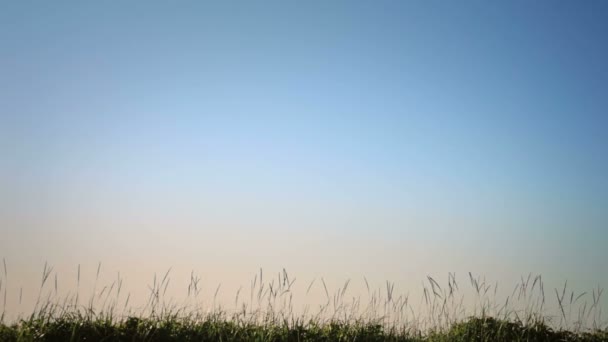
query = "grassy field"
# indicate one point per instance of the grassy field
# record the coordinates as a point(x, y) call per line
point(268, 314)
point(78, 328)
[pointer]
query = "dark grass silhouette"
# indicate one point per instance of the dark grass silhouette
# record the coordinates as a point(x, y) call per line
point(269, 315)
point(75, 328)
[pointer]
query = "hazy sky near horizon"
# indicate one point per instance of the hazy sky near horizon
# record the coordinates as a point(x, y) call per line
point(390, 139)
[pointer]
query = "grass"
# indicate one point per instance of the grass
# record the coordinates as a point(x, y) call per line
point(268, 314)
point(81, 328)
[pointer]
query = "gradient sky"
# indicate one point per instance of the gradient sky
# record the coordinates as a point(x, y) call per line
point(390, 139)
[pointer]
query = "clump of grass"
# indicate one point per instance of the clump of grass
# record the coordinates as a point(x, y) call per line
point(492, 329)
point(267, 313)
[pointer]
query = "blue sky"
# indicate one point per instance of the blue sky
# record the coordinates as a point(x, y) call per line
point(470, 135)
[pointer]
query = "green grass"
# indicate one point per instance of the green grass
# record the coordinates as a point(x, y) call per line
point(78, 328)
point(268, 314)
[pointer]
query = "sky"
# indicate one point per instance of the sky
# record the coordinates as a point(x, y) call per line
point(386, 139)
